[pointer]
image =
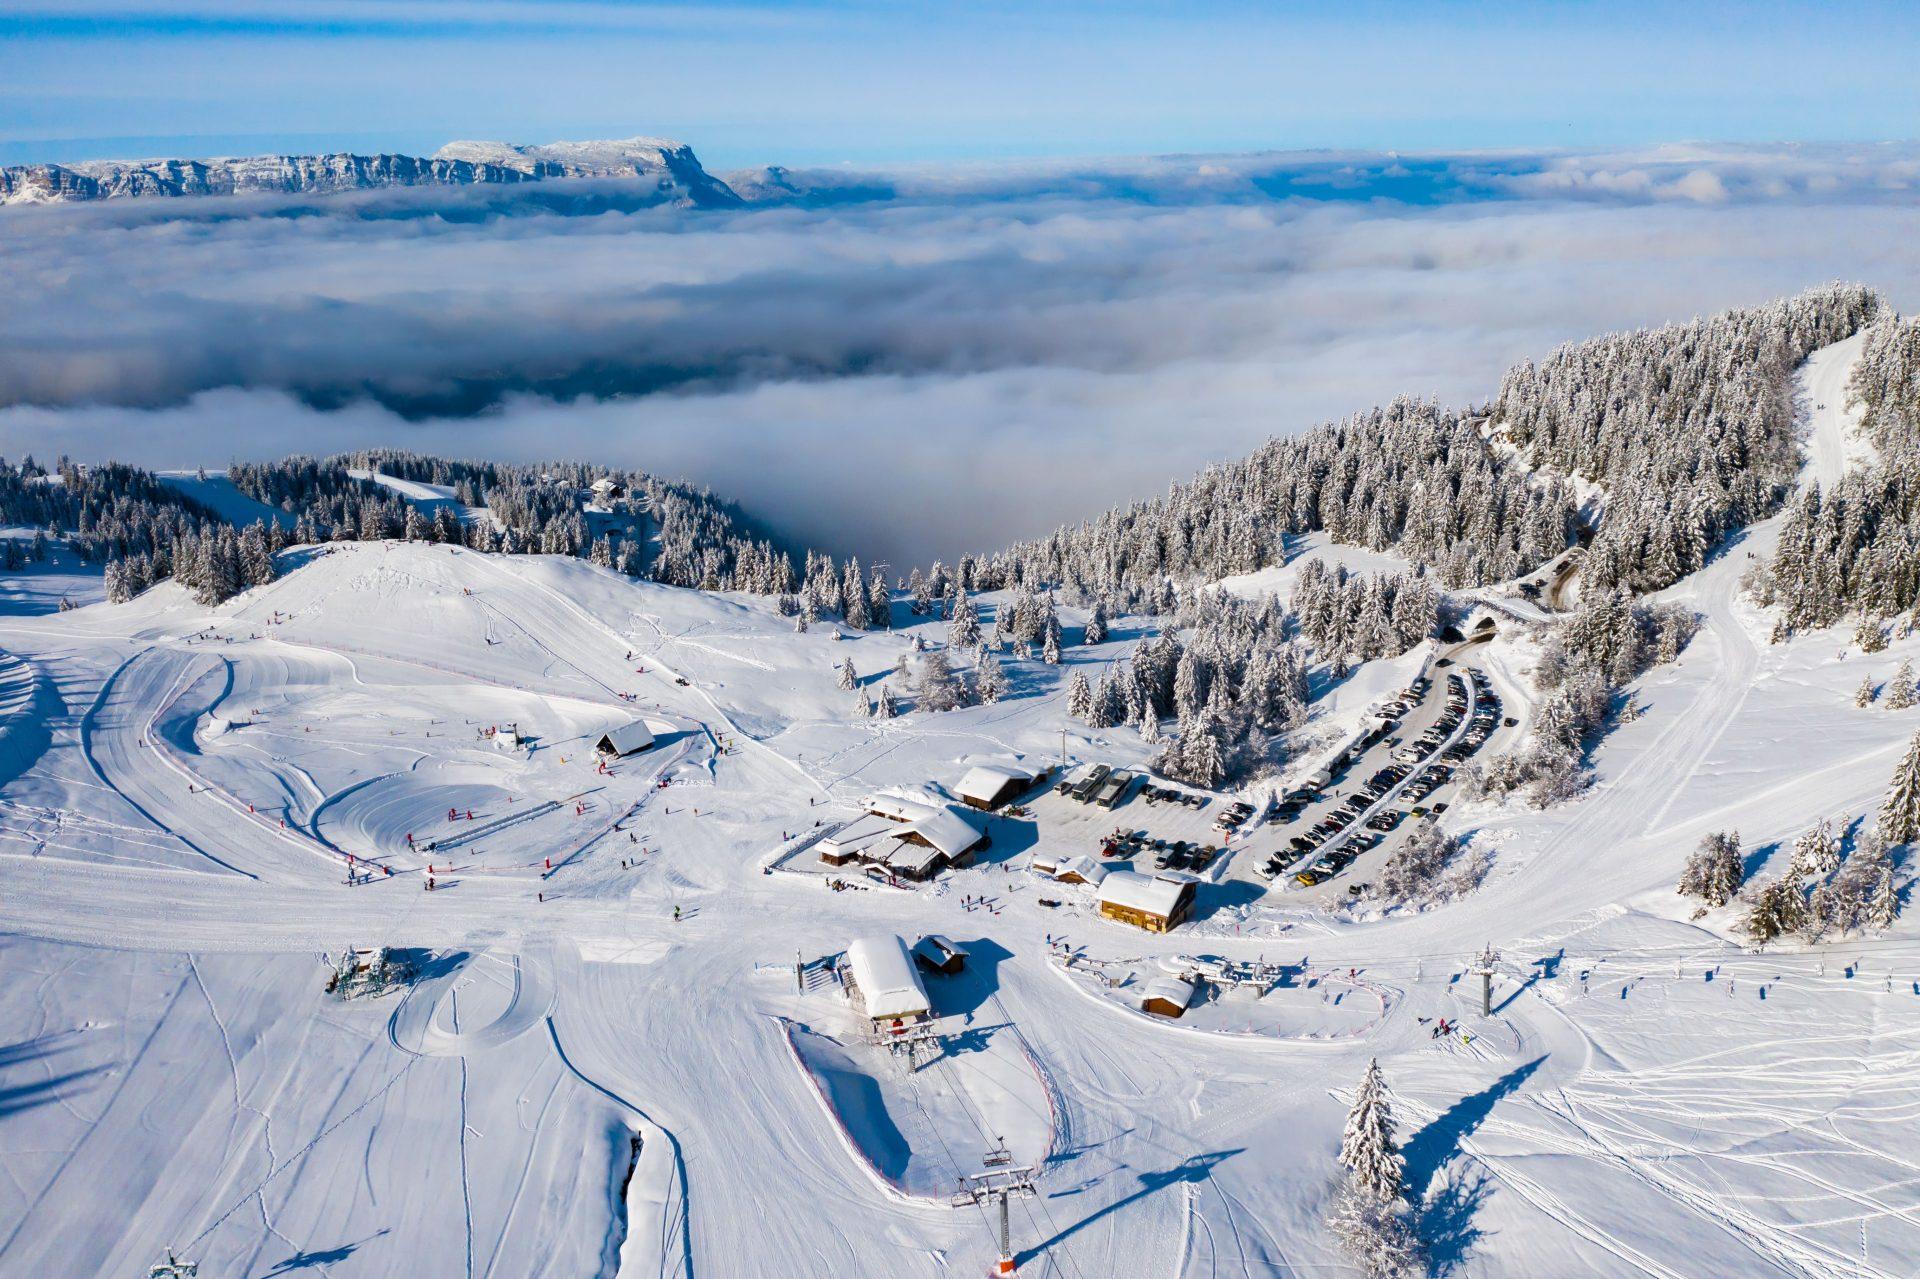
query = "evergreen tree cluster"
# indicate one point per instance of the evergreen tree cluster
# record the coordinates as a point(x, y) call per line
point(104, 513)
point(1413, 478)
point(699, 541)
point(1688, 427)
point(1359, 618)
point(1226, 671)
point(1429, 867)
point(1855, 548)
point(1715, 869)
point(1608, 640)
point(1822, 896)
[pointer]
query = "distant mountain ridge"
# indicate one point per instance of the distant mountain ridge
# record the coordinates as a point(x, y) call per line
point(671, 165)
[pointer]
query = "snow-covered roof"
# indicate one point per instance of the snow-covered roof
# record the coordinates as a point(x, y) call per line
point(889, 984)
point(1171, 989)
point(628, 738)
point(938, 950)
point(913, 859)
point(904, 805)
point(1089, 870)
point(859, 834)
point(945, 829)
point(1154, 894)
point(984, 782)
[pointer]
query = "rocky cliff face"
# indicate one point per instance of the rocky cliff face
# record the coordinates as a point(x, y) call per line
point(670, 166)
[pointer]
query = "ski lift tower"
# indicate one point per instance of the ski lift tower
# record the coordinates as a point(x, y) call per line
point(173, 1268)
point(1000, 1182)
point(1484, 966)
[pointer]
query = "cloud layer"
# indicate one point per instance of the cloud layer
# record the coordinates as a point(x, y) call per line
point(905, 364)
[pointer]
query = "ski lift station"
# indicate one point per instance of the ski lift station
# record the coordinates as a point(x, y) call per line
point(625, 739)
point(1157, 903)
point(883, 983)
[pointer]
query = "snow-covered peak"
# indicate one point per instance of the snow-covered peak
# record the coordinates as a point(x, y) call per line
point(671, 165)
point(606, 157)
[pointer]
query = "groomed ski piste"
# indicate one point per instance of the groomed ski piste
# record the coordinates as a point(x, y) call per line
point(624, 1051)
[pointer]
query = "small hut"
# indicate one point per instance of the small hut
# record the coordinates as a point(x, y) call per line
point(1167, 996)
point(938, 954)
point(625, 739)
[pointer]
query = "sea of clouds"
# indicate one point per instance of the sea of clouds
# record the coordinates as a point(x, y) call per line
point(904, 364)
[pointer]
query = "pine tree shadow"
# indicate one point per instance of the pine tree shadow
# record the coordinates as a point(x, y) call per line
point(1445, 1220)
point(18, 1096)
point(1756, 858)
point(1437, 1143)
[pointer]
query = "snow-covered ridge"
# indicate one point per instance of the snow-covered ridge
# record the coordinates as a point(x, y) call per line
point(680, 177)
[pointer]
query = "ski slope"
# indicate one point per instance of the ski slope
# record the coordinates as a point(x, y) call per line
point(580, 1083)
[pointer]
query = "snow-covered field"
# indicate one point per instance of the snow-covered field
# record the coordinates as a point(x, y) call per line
point(608, 1067)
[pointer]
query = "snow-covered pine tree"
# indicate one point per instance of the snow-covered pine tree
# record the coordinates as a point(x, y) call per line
point(880, 601)
point(1900, 689)
point(256, 560)
point(1883, 907)
point(1096, 628)
point(1714, 870)
point(854, 597)
point(1079, 696)
point(1815, 852)
point(989, 679)
point(1776, 909)
point(1368, 1150)
point(849, 678)
point(964, 630)
point(1369, 1215)
point(937, 689)
point(1900, 811)
point(1864, 695)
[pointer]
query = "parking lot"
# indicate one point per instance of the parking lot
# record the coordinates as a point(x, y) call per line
point(1326, 843)
point(1146, 830)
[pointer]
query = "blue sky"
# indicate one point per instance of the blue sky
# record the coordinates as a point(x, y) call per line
point(819, 83)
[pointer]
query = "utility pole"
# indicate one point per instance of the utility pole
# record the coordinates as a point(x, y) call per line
point(1484, 966)
point(1000, 1182)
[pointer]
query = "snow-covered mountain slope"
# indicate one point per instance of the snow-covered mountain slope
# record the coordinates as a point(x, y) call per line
point(672, 166)
point(1647, 1098)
